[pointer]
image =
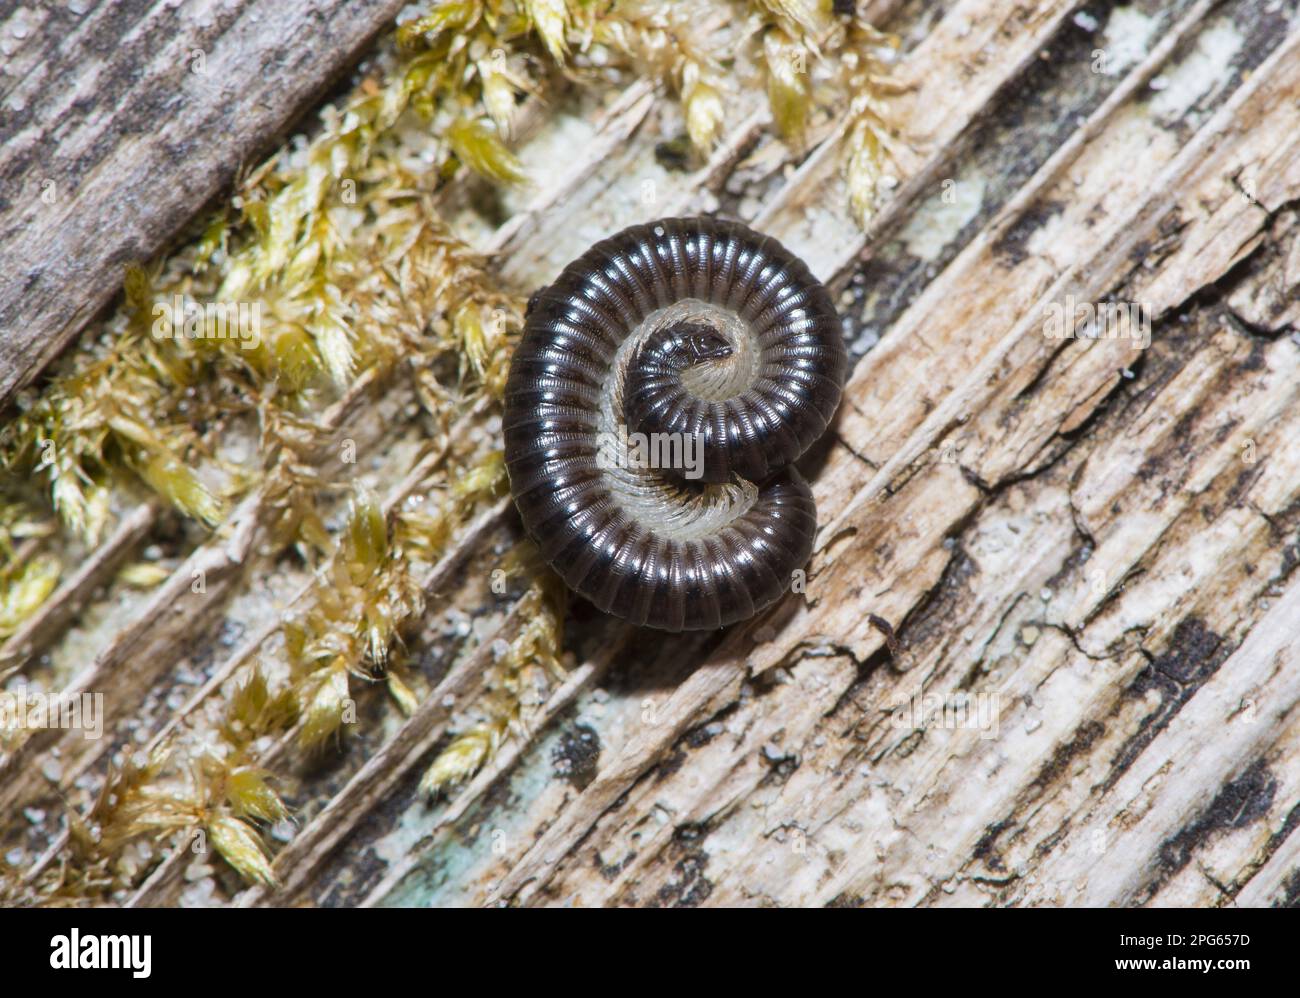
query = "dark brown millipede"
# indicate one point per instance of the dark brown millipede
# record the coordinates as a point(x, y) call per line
point(701, 335)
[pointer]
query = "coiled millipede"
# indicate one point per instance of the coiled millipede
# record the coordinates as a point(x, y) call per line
point(665, 340)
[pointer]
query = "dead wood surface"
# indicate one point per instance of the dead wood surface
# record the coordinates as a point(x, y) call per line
point(119, 122)
point(1093, 544)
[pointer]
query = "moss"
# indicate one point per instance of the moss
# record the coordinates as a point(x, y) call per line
point(335, 245)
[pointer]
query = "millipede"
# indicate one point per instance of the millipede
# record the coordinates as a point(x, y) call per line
point(701, 333)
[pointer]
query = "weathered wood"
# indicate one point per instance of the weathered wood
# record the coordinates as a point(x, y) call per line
point(870, 549)
point(142, 648)
point(119, 122)
point(1086, 549)
point(52, 617)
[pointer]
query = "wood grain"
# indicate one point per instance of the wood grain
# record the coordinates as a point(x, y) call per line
point(1086, 549)
point(119, 122)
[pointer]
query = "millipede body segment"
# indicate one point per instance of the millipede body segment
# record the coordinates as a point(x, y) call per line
point(663, 387)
